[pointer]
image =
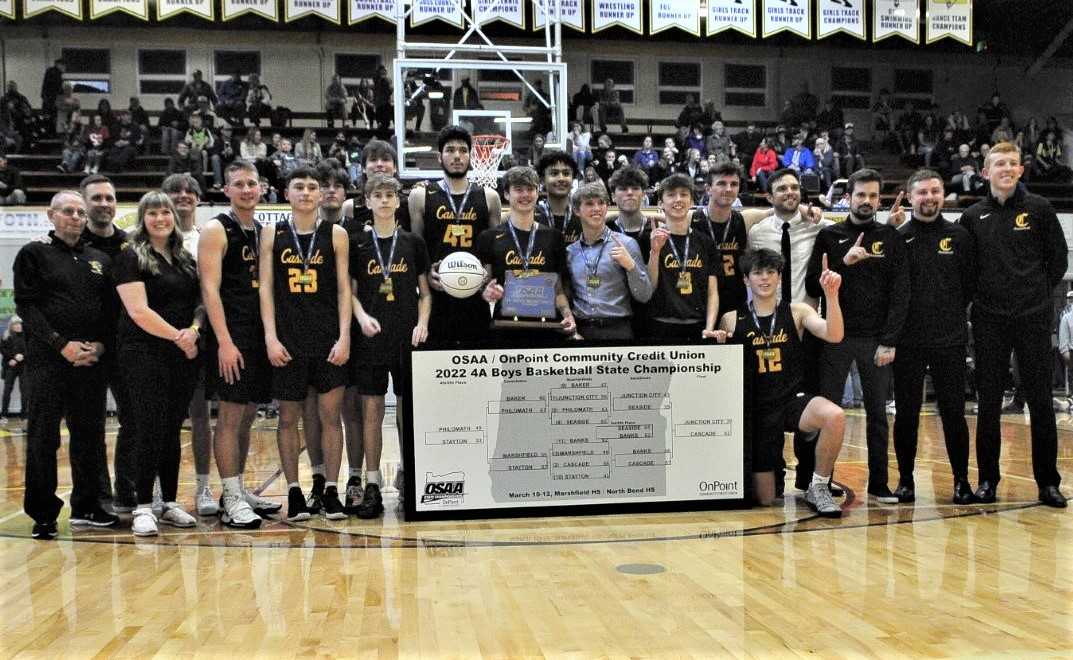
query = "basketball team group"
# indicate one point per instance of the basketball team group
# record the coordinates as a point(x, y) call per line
point(316, 313)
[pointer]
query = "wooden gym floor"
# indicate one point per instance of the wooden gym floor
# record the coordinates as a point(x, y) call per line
point(933, 579)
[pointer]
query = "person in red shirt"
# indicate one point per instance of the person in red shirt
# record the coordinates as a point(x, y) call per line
point(765, 161)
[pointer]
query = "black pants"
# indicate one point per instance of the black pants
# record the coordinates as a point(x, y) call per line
point(947, 368)
point(162, 381)
point(835, 361)
point(606, 329)
point(62, 392)
point(124, 458)
point(662, 330)
point(10, 376)
point(1030, 339)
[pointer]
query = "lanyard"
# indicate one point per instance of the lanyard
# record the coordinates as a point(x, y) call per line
point(529, 248)
point(253, 243)
point(593, 266)
point(711, 232)
point(308, 254)
point(385, 268)
point(756, 320)
point(551, 217)
point(674, 250)
point(457, 210)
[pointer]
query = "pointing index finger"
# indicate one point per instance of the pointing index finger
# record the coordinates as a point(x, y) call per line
point(860, 237)
point(825, 261)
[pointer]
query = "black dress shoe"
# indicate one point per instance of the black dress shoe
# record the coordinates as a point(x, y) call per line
point(905, 493)
point(1051, 496)
point(985, 494)
point(963, 493)
point(836, 490)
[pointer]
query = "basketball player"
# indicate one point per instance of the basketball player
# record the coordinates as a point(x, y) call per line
point(305, 308)
point(389, 268)
point(683, 266)
point(770, 330)
point(185, 193)
point(607, 273)
point(522, 248)
point(628, 185)
point(557, 171)
point(449, 216)
point(942, 272)
point(380, 158)
point(238, 369)
point(726, 227)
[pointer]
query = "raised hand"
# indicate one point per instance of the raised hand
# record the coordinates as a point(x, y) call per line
point(812, 214)
point(856, 253)
point(658, 239)
point(829, 280)
point(897, 213)
point(620, 255)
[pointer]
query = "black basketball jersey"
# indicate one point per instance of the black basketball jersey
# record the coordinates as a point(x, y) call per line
point(568, 224)
point(773, 354)
point(730, 238)
point(444, 232)
point(238, 283)
point(305, 289)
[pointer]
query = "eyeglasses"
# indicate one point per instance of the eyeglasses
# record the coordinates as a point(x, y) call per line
point(71, 210)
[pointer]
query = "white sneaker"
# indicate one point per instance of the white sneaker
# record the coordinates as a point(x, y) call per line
point(206, 503)
point(262, 506)
point(237, 513)
point(176, 517)
point(144, 522)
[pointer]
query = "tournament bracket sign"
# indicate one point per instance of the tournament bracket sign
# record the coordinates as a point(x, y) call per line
point(574, 430)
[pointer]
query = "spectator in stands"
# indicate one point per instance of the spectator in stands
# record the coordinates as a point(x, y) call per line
point(95, 137)
point(798, 158)
point(982, 130)
point(718, 143)
point(882, 117)
point(138, 115)
point(208, 117)
point(465, 97)
point(183, 161)
point(124, 147)
point(849, 151)
point(711, 113)
point(826, 162)
point(945, 149)
point(1032, 135)
point(691, 165)
point(439, 109)
point(110, 119)
point(603, 143)
point(308, 149)
point(254, 150)
point(268, 193)
point(691, 114)
point(927, 138)
point(200, 139)
point(337, 150)
point(696, 139)
point(805, 105)
point(335, 97)
point(964, 171)
point(764, 162)
point(906, 127)
point(363, 108)
point(232, 103)
point(73, 148)
point(356, 157)
point(1004, 132)
point(11, 192)
point(1052, 125)
point(537, 110)
point(607, 165)
point(611, 107)
point(830, 119)
point(536, 150)
point(285, 160)
point(581, 106)
point(188, 97)
point(646, 158)
point(258, 99)
point(382, 92)
point(172, 127)
point(51, 89)
point(19, 112)
point(669, 143)
point(63, 107)
point(224, 152)
point(10, 138)
point(781, 142)
point(1049, 163)
point(957, 121)
point(666, 165)
point(746, 143)
point(995, 110)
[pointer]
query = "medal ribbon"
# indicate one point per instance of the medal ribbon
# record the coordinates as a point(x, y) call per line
point(457, 210)
point(385, 268)
point(517, 244)
point(307, 254)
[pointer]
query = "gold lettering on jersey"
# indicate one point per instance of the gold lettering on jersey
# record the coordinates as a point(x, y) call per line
point(877, 249)
point(1020, 223)
point(289, 257)
point(779, 337)
point(247, 254)
point(670, 263)
point(445, 213)
point(512, 259)
point(946, 246)
point(96, 268)
point(373, 268)
point(730, 246)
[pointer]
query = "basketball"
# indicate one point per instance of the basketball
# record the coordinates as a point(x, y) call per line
point(461, 274)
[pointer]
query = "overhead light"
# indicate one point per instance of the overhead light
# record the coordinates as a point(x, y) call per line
point(513, 120)
point(435, 96)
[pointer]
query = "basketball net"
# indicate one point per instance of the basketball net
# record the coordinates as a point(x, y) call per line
point(487, 151)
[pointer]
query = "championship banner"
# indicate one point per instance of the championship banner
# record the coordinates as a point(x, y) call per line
point(949, 18)
point(448, 11)
point(573, 13)
point(329, 10)
point(264, 8)
point(737, 15)
point(896, 18)
point(515, 431)
point(169, 8)
point(72, 8)
point(136, 8)
point(788, 16)
point(363, 10)
point(681, 14)
point(511, 12)
point(834, 16)
point(7, 9)
point(623, 13)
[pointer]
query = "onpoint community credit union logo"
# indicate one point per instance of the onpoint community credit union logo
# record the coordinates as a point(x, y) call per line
point(444, 489)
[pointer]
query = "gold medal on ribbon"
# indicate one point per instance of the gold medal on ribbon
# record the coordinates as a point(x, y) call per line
point(458, 230)
point(306, 277)
point(593, 282)
point(685, 281)
point(387, 288)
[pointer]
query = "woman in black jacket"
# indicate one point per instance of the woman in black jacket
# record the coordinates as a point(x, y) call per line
point(13, 349)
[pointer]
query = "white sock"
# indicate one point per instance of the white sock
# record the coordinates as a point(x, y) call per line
point(373, 477)
point(355, 472)
point(293, 484)
point(817, 479)
point(202, 482)
point(232, 486)
point(330, 484)
point(319, 469)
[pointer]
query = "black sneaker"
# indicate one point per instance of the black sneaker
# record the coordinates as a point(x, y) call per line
point(314, 502)
point(354, 493)
point(882, 494)
point(372, 505)
point(333, 508)
point(905, 492)
point(97, 517)
point(44, 531)
point(296, 505)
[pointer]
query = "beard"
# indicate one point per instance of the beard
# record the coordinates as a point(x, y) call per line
point(450, 174)
point(863, 213)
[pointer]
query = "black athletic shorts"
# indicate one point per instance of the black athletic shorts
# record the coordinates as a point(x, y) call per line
point(769, 425)
point(371, 379)
point(255, 380)
point(292, 382)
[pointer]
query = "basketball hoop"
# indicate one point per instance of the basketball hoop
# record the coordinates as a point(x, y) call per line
point(488, 150)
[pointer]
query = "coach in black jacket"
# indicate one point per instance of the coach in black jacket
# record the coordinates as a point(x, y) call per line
point(941, 260)
point(1022, 255)
point(870, 257)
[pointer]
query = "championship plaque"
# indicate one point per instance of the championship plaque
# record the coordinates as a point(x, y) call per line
point(528, 300)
